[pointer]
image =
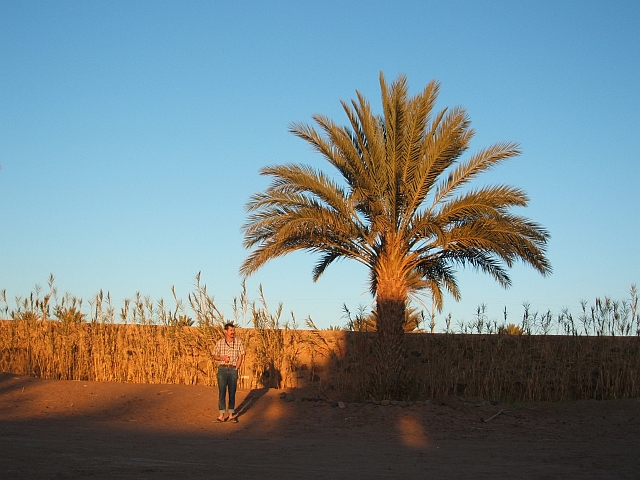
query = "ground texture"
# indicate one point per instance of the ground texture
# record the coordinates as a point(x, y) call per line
point(70, 429)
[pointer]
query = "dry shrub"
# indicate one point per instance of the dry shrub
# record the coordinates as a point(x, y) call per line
point(105, 352)
point(493, 367)
point(151, 344)
point(273, 348)
point(157, 345)
point(525, 367)
point(341, 362)
point(338, 363)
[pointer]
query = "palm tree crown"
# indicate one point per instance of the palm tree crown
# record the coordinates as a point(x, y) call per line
point(403, 207)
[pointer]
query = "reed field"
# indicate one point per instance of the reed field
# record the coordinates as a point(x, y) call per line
point(542, 357)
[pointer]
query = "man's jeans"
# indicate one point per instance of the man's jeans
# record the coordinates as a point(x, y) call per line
point(227, 378)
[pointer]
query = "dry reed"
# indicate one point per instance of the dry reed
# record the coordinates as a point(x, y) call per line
point(596, 357)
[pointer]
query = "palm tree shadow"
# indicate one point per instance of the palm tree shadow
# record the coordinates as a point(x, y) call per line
point(252, 397)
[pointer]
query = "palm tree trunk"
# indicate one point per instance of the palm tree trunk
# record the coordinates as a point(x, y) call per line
point(390, 348)
point(391, 304)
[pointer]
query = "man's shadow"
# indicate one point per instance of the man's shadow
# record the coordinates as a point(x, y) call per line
point(271, 377)
point(252, 397)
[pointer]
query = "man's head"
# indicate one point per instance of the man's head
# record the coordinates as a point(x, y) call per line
point(229, 331)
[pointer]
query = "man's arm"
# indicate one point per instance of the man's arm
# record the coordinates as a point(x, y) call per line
point(240, 359)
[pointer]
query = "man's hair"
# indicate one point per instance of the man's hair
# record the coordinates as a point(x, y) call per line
point(229, 324)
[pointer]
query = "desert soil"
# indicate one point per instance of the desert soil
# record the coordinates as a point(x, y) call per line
point(71, 429)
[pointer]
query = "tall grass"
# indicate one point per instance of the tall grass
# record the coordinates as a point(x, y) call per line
point(276, 345)
point(146, 342)
point(525, 367)
point(595, 354)
point(605, 317)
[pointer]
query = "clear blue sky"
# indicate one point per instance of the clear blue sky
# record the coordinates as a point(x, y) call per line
point(131, 135)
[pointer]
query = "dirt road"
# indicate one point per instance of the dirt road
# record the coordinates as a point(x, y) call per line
point(68, 429)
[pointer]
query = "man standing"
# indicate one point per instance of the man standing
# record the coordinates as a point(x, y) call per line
point(229, 352)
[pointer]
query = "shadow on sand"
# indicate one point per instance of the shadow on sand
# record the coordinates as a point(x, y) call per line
point(67, 429)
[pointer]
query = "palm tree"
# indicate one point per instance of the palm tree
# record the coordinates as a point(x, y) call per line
point(403, 208)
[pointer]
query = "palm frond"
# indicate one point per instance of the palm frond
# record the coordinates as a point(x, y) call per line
point(478, 163)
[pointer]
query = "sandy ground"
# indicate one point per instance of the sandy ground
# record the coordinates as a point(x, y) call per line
point(68, 429)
